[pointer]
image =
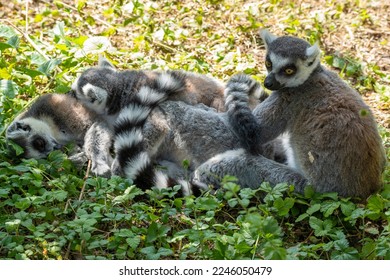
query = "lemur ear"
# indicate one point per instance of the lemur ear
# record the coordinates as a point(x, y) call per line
point(267, 37)
point(313, 51)
point(74, 84)
point(17, 129)
point(104, 63)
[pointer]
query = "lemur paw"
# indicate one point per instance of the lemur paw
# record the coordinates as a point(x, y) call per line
point(78, 159)
point(102, 170)
point(115, 168)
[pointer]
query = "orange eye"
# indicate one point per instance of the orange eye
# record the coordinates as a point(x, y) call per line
point(268, 64)
point(289, 71)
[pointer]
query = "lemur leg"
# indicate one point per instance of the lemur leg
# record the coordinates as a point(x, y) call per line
point(250, 171)
point(155, 131)
point(97, 145)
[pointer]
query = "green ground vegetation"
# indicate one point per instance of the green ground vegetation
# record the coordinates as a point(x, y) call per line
point(51, 210)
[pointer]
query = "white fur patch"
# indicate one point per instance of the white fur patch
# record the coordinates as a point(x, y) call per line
point(133, 113)
point(185, 187)
point(161, 180)
point(128, 139)
point(74, 85)
point(231, 154)
point(133, 167)
point(166, 81)
point(150, 96)
point(285, 137)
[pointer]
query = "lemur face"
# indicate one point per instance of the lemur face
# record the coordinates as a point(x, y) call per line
point(90, 89)
point(289, 61)
point(34, 136)
point(93, 85)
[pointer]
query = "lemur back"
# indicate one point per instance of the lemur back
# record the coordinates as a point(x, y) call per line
point(54, 120)
point(333, 139)
point(107, 90)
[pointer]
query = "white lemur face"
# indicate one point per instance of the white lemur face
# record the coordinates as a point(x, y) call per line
point(289, 61)
point(34, 136)
point(92, 87)
point(93, 97)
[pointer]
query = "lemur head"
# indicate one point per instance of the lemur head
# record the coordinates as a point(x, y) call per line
point(93, 85)
point(34, 136)
point(289, 60)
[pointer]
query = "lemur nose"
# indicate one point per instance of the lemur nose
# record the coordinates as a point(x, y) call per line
point(57, 146)
point(268, 84)
point(271, 83)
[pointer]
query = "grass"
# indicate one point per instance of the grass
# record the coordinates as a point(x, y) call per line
point(51, 210)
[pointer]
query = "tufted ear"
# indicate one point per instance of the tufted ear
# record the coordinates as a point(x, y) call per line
point(104, 63)
point(267, 37)
point(313, 52)
point(18, 129)
point(74, 85)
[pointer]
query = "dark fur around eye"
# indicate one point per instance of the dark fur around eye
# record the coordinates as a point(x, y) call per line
point(289, 66)
point(92, 96)
point(39, 144)
point(23, 126)
point(311, 63)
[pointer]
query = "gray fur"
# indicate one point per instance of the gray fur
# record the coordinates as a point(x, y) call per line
point(185, 126)
point(176, 131)
point(333, 141)
point(250, 170)
point(56, 120)
point(107, 90)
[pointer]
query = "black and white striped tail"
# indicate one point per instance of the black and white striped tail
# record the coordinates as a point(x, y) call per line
point(243, 122)
point(131, 154)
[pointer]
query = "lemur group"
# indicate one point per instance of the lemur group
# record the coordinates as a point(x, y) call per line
point(309, 128)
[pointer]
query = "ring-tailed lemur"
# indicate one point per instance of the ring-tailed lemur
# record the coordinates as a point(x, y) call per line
point(54, 120)
point(174, 131)
point(125, 99)
point(107, 90)
point(333, 138)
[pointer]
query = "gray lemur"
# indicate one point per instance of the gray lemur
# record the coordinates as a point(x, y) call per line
point(173, 131)
point(332, 137)
point(142, 136)
point(54, 120)
point(108, 90)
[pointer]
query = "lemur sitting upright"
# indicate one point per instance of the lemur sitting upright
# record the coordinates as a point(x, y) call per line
point(333, 140)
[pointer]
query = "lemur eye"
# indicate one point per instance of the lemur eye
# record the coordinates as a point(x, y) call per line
point(39, 144)
point(92, 96)
point(268, 64)
point(289, 71)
